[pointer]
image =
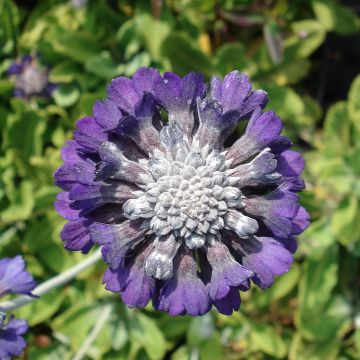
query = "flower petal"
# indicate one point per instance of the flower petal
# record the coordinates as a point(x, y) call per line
point(118, 240)
point(261, 130)
point(11, 341)
point(226, 272)
point(14, 278)
point(266, 257)
point(276, 210)
point(184, 293)
point(75, 235)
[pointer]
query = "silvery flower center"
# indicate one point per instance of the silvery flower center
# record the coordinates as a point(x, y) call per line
point(188, 194)
point(32, 80)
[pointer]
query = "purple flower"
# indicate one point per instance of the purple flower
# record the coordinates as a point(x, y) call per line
point(31, 78)
point(14, 278)
point(183, 220)
point(12, 342)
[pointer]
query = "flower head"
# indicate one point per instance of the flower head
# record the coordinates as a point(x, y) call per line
point(31, 78)
point(183, 220)
point(13, 279)
point(12, 342)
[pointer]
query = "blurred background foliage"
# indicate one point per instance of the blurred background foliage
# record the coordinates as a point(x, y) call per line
point(304, 53)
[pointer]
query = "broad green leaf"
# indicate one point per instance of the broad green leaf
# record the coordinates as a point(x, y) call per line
point(200, 329)
point(184, 55)
point(22, 207)
point(337, 130)
point(76, 322)
point(211, 348)
point(147, 27)
point(103, 66)
point(308, 36)
point(283, 100)
point(146, 333)
point(66, 95)
point(304, 350)
point(77, 46)
point(64, 72)
point(345, 222)
point(231, 57)
point(41, 310)
point(335, 17)
point(264, 338)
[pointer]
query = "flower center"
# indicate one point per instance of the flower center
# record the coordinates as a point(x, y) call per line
point(189, 194)
point(33, 80)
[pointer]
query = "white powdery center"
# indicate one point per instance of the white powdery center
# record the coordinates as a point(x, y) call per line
point(187, 199)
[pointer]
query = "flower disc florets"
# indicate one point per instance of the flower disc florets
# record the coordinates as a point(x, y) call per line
point(31, 78)
point(182, 219)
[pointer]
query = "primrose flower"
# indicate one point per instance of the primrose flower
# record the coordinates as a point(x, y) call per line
point(31, 78)
point(184, 220)
point(13, 279)
point(12, 342)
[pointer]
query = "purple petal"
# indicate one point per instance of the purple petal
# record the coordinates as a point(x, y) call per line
point(15, 69)
point(14, 278)
point(118, 240)
point(11, 340)
point(262, 129)
point(261, 170)
point(75, 235)
point(178, 97)
point(131, 280)
point(89, 134)
point(116, 166)
point(233, 90)
point(107, 114)
point(301, 221)
point(266, 257)
point(140, 128)
point(226, 272)
point(145, 78)
point(123, 93)
point(231, 302)
point(63, 207)
point(213, 123)
point(276, 210)
point(185, 293)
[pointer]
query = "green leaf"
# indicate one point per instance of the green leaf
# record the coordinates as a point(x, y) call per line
point(75, 45)
point(147, 26)
point(145, 332)
point(354, 105)
point(76, 322)
point(64, 72)
point(184, 56)
point(335, 17)
point(231, 57)
point(41, 310)
point(24, 132)
point(321, 315)
point(336, 136)
point(308, 36)
point(66, 95)
point(283, 100)
point(304, 350)
point(211, 348)
point(345, 222)
point(264, 338)
point(103, 66)
point(200, 329)
point(22, 207)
